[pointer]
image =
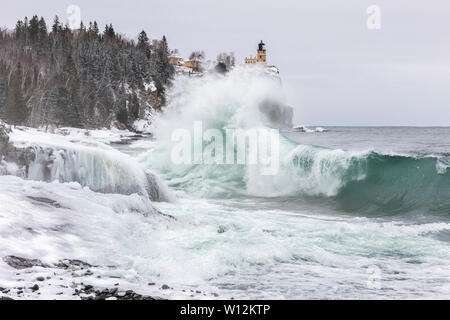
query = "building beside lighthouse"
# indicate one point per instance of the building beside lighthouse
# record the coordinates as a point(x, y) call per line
point(261, 56)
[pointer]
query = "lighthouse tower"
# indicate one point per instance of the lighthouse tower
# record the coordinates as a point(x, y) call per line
point(262, 56)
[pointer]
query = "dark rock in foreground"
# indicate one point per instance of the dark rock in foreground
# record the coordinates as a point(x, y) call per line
point(84, 292)
point(47, 201)
point(23, 263)
point(111, 293)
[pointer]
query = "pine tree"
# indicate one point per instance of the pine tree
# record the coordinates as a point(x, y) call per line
point(134, 106)
point(143, 44)
point(56, 25)
point(95, 28)
point(165, 45)
point(142, 40)
point(15, 110)
point(20, 29)
point(109, 32)
point(71, 116)
point(33, 28)
point(42, 27)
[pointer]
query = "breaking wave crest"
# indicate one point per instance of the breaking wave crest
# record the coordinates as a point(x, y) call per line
point(363, 181)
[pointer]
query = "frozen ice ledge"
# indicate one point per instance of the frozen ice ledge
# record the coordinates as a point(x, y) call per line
point(34, 155)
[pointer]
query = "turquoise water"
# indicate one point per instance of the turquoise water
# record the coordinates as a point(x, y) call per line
point(351, 213)
point(384, 232)
point(366, 224)
point(383, 235)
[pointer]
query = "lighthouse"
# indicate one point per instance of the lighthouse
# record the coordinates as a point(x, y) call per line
point(261, 56)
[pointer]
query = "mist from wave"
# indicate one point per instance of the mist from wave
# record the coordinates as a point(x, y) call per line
point(362, 181)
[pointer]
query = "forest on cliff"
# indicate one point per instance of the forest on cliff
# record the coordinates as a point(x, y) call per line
point(54, 75)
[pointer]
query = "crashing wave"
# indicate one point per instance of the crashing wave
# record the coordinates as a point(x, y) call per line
point(87, 162)
point(363, 181)
point(246, 99)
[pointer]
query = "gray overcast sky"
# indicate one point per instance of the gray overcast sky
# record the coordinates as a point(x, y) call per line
point(335, 70)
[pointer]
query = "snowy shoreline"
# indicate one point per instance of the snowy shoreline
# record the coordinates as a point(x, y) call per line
point(52, 232)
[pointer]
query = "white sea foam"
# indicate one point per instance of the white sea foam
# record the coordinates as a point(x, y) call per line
point(245, 99)
point(82, 159)
point(236, 252)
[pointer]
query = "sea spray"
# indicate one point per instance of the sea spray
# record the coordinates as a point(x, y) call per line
point(363, 181)
point(245, 99)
